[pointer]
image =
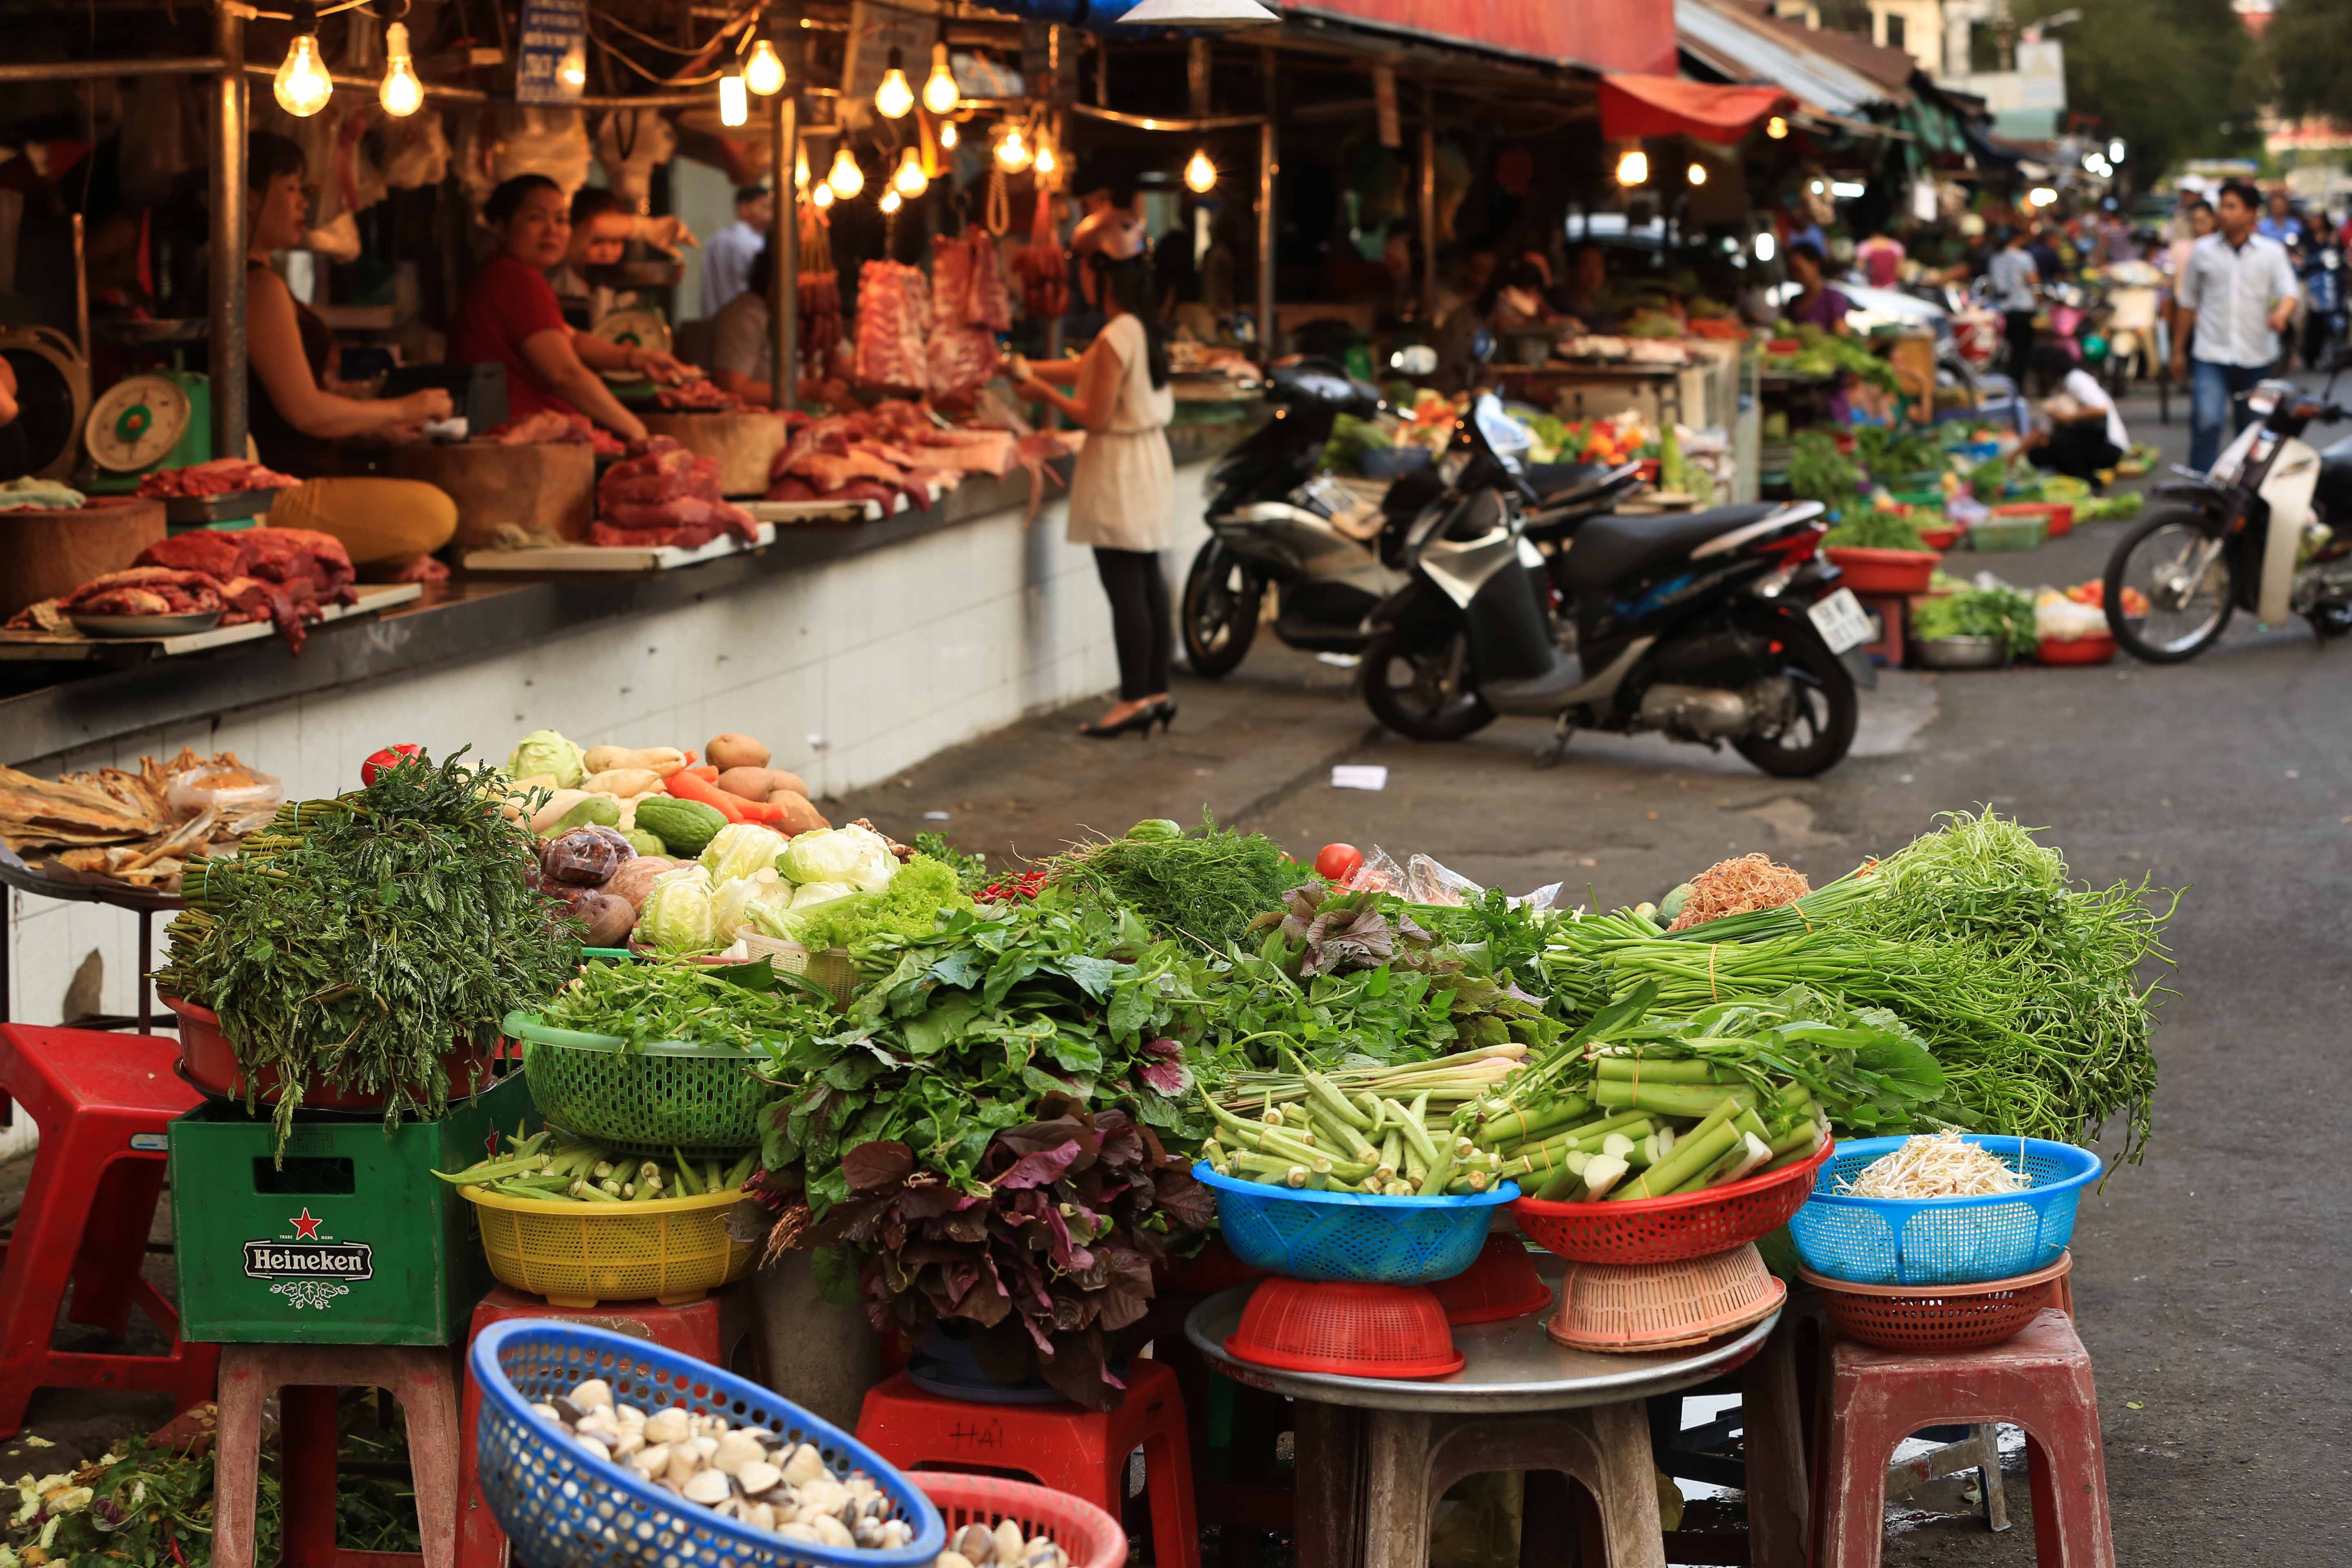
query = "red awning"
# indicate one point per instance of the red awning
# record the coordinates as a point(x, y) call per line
point(1600, 35)
point(1635, 106)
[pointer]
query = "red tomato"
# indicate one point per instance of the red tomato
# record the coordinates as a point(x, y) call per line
point(1337, 862)
point(386, 758)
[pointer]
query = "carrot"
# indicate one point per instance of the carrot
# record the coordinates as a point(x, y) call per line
point(686, 786)
point(705, 772)
point(760, 811)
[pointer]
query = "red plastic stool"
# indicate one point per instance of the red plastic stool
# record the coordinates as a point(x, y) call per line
point(709, 1329)
point(2041, 1380)
point(305, 1378)
point(1077, 1451)
point(102, 1102)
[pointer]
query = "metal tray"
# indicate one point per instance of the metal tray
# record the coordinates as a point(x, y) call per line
point(185, 510)
point(1963, 653)
point(144, 626)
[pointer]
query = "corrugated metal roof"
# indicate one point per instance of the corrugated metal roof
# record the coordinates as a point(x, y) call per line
point(1746, 49)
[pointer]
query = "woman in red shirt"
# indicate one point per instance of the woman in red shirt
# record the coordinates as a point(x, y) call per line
point(510, 318)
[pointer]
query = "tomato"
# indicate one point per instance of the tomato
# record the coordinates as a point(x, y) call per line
point(390, 756)
point(1337, 862)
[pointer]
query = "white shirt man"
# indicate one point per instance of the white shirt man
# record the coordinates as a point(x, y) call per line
point(2233, 288)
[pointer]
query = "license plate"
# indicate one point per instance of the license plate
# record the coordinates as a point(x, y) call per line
point(1840, 621)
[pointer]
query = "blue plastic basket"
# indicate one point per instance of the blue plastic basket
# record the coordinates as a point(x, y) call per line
point(1305, 1235)
point(563, 1508)
point(1943, 1241)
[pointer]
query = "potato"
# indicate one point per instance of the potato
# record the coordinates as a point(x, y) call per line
point(626, 782)
point(635, 880)
point(800, 816)
point(759, 784)
point(732, 751)
point(663, 761)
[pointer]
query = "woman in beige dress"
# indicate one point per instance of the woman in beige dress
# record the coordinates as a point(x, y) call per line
point(1123, 495)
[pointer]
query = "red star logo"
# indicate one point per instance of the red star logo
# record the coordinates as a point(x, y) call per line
point(305, 1228)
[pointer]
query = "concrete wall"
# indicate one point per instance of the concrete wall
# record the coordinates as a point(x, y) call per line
point(850, 673)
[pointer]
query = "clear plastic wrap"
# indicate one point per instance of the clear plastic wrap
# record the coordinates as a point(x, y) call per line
point(236, 791)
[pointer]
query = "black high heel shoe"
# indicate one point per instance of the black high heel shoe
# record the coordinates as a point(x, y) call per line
point(1165, 713)
point(1138, 722)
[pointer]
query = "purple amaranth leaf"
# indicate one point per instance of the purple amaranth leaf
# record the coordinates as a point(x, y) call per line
point(1038, 1169)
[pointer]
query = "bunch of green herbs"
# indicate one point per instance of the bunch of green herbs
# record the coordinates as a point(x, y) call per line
point(743, 1007)
point(2003, 613)
point(1206, 885)
point(1871, 529)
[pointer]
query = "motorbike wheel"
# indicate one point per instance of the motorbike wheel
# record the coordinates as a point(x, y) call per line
point(2184, 618)
point(1819, 731)
point(2330, 620)
point(1222, 598)
point(1423, 690)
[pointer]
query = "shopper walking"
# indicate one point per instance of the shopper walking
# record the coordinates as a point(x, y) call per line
point(1123, 492)
point(2016, 294)
point(2236, 295)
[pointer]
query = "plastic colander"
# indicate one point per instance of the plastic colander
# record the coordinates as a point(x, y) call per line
point(1091, 1537)
point(1669, 1229)
point(561, 1507)
point(698, 1099)
point(1923, 1318)
point(1345, 1329)
point(1306, 1235)
point(1501, 1283)
point(1943, 1241)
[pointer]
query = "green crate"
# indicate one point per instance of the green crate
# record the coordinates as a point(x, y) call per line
point(2008, 533)
point(700, 1101)
point(352, 1240)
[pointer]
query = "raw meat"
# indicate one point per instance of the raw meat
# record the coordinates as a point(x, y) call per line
point(968, 284)
point(791, 487)
point(991, 453)
point(695, 396)
point(961, 358)
point(221, 476)
point(688, 522)
point(199, 550)
point(894, 319)
point(549, 426)
point(281, 574)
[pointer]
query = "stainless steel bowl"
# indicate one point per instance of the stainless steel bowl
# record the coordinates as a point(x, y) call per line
point(1963, 653)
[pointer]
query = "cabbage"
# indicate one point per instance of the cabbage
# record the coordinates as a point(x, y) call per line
point(677, 917)
point(740, 849)
point(731, 907)
point(545, 751)
point(857, 855)
point(688, 872)
point(820, 893)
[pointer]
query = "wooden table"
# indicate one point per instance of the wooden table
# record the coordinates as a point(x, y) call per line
point(1362, 1441)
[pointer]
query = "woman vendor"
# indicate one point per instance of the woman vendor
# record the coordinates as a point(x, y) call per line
point(300, 425)
point(1814, 303)
point(510, 318)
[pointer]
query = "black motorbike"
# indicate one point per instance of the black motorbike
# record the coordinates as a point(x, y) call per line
point(1278, 518)
point(1711, 627)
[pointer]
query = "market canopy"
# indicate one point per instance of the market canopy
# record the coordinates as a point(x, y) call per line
point(1600, 35)
point(1634, 105)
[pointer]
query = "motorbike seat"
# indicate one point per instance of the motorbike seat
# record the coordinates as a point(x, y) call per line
point(1609, 549)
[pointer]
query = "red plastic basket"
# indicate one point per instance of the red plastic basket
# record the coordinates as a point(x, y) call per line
point(1091, 1537)
point(1925, 1318)
point(1501, 1284)
point(1884, 571)
point(1667, 1230)
point(1942, 538)
point(2074, 650)
point(208, 1061)
point(1346, 1328)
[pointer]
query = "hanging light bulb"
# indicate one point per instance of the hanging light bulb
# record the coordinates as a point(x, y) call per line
point(1011, 151)
point(763, 72)
point(1776, 128)
point(1695, 174)
point(911, 180)
point(821, 197)
point(734, 107)
point(939, 90)
point(801, 168)
point(894, 98)
point(948, 134)
point(401, 94)
point(846, 177)
point(1200, 174)
point(1633, 166)
point(1046, 163)
point(302, 84)
point(889, 202)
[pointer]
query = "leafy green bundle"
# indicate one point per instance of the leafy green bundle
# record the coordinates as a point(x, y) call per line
point(746, 1007)
point(397, 927)
point(2003, 613)
point(1207, 885)
point(1875, 529)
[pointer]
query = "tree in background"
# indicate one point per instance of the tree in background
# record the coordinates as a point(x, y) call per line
point(2308, 48)
point(2175, 79)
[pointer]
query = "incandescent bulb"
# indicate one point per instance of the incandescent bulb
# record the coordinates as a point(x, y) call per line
point(821, 197)
point(1633, 167)
point(1046, 163)
point(1776, 128)
point(1013, 151)
point(911, 180)
point(301, 84)
point(845, 178)
point(1200, 174)
point(894, 98)
point(889, 202)
point(734, 107)
point(800, 167)
point(574, 69)
point(939, 90)
point(402, 93)
point(763, 72)
point(948, 134)
point(1695, 174)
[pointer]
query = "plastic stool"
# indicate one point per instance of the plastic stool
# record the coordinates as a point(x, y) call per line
point(102, 1102)
point(2041, 1380)
point(708, 1330)
point(305, 1378)
point(1081, 1452)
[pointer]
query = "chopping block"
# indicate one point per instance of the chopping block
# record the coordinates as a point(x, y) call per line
point(51, 554)
point(551, 487)
point(743, 441)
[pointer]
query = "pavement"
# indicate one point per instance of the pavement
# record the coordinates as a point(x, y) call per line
point(2210, 1279)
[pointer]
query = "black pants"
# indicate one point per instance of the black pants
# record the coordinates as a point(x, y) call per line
point(2080, 449)
point(2021, 343)
point(1140, 622)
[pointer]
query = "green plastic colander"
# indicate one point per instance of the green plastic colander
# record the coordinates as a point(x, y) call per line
point(700, 1101)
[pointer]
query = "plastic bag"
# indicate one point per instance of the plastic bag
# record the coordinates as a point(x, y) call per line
point(1427, 882)
point(235, 791)
point(2058, 618)
point(583, 859)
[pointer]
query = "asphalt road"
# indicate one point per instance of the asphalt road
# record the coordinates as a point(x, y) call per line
point(2212, 1281)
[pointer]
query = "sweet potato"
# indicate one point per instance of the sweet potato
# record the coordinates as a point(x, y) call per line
point(663, 759)
point(800, 816)
point(759, 784)
point(634, 879)
point(732, 751)
point(625, 783)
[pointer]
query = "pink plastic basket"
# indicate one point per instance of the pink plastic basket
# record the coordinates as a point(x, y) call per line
point(1091, 1537)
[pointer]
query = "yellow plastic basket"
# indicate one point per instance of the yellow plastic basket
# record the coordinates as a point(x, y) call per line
point(672, 1250)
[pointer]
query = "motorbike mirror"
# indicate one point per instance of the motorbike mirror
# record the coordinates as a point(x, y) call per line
point(1417, 359)
point(1508, 438)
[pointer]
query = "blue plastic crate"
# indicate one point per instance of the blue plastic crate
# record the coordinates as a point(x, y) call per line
point(1304, 1235)
point(561, 1507)
point(1943, 1241)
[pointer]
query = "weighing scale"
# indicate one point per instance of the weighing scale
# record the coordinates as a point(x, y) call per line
point(633, 328)
point(52, 395)
point(159, 419)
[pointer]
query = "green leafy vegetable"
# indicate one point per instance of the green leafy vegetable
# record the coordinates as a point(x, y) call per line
point(2003, 613)
point(1875, 529)
point(1207, 885)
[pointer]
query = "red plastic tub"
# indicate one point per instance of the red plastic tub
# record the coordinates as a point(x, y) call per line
point(209, 1062)
point(1884, 571)
point(1670, 1229)
point(2074, 650)
point(1942, 538)
point(2057, 517)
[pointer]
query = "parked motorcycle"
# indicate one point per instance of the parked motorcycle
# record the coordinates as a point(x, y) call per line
point(2269, 531)
point(1708, 626)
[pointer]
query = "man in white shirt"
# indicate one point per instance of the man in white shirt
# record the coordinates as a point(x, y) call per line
point(727, 259)
point(2237, 293)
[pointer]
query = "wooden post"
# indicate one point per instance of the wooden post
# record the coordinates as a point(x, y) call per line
point(1269, 333)
point(784, 228)
point(227, 292)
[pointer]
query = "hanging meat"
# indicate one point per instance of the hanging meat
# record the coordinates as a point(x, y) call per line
point(819, 291)
point(894, 320)
point(970, 306)
point(1044, 278)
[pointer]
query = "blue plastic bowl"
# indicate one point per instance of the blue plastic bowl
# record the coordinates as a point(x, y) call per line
point(1943, 1241)
point(563, 1508)
point(1304, 1235)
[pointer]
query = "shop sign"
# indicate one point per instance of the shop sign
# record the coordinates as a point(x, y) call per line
point(551, 56)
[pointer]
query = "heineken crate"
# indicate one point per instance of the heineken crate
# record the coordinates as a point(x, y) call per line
point(351, 1239)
